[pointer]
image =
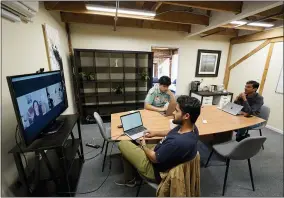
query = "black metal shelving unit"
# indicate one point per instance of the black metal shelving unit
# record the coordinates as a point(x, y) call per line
point(110, 69)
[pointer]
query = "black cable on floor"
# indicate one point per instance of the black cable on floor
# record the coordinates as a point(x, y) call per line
point(92, 157)
point(91, 191)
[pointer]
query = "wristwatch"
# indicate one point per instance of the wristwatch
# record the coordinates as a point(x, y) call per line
point(142, 146)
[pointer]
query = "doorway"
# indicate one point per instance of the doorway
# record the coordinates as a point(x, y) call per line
point(165, 63)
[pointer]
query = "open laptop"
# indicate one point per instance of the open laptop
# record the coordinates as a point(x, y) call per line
point(170, 110)
point(232, 108)
point(132, 125)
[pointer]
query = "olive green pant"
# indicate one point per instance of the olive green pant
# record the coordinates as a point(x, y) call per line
point(134, 156)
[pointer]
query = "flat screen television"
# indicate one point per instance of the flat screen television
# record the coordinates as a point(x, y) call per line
point(38, 99)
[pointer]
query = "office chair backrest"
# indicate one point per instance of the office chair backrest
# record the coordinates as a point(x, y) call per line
point(101, 125)
point(264, 112)
point(247, 148)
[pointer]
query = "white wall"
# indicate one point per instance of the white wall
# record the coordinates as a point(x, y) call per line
point(174, 67)
point(103, 37)
point(164, 67)
point(23, 51)
point(252, 69)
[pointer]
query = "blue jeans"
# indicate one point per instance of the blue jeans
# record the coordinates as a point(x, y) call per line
point(241, 132)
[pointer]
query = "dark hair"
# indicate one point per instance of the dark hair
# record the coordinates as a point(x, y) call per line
point(39, 108)
point(189, 105)
point(165, 80)
point(254, 84)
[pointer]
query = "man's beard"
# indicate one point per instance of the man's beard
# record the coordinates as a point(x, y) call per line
point(178, 122)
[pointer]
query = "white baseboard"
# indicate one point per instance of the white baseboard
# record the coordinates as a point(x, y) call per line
point(274, 129)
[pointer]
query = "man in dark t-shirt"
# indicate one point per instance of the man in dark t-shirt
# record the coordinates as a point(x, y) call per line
point(252, 103)
point(178, 145)
point(174, 149)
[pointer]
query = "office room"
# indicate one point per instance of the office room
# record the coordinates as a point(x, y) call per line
point(142, 98)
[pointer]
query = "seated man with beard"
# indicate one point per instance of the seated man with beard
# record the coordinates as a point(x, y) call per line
point(178, 145)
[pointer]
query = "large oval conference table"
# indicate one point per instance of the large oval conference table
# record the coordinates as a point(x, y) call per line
point(218, 121)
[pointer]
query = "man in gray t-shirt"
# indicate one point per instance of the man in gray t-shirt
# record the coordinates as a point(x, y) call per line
point(251, 102)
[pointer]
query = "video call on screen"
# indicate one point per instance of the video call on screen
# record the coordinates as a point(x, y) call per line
point(40, 98)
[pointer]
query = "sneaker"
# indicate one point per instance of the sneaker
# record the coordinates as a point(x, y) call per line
point(130, 183)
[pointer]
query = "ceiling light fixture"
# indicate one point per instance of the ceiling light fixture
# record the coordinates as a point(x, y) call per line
point(261, 24)
point(120, 10)
point(238, 22)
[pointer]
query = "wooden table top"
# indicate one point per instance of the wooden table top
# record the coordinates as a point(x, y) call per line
point(217, 121)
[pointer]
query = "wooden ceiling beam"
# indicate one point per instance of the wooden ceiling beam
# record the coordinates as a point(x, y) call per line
point(244, 27)
point(183, 18)
point(156, 6)
point(126, 22)
point(221, 31)
point(170, 17)
point(268, 34)
point(270, 12)
point(139, 4)
point(232, 6)
point(77, 6)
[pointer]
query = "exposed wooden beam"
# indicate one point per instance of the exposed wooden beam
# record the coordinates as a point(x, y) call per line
point(265, 43)
point(218, 19)
point(232, 6)
point(156, 6)
point(137, 23)
point(274, 33)
point(267, 63)
point(221, 31)
point(183, 18)
point(139, 4)
point(227, 70)
point(148, 5)
point(276, 40)
point(77, 6)
point(270, 12)
point(245, 27)
point(171, 17)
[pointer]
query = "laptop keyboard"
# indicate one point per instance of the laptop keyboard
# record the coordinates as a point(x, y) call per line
point(136, 130)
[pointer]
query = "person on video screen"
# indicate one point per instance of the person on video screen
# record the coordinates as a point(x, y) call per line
point(60, 94)
point(37, 111)
point(50, 101)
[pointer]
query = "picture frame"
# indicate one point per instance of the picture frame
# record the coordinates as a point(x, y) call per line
point(52, 45)
point(208, 62)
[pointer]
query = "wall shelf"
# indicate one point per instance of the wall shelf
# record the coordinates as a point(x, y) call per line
point(110, 69)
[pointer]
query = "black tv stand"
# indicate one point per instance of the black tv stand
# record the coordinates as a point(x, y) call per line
point(59, 167)
point(53, 127)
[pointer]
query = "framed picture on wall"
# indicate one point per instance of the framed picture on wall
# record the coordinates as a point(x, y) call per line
point(52, 43)
point(207, 63)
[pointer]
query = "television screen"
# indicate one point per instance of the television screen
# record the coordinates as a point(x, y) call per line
point(38, 100)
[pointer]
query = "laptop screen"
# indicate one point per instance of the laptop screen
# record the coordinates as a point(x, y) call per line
point(131, 121)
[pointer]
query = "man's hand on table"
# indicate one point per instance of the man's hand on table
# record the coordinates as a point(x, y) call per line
point(149, 134)
point(244, 113)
